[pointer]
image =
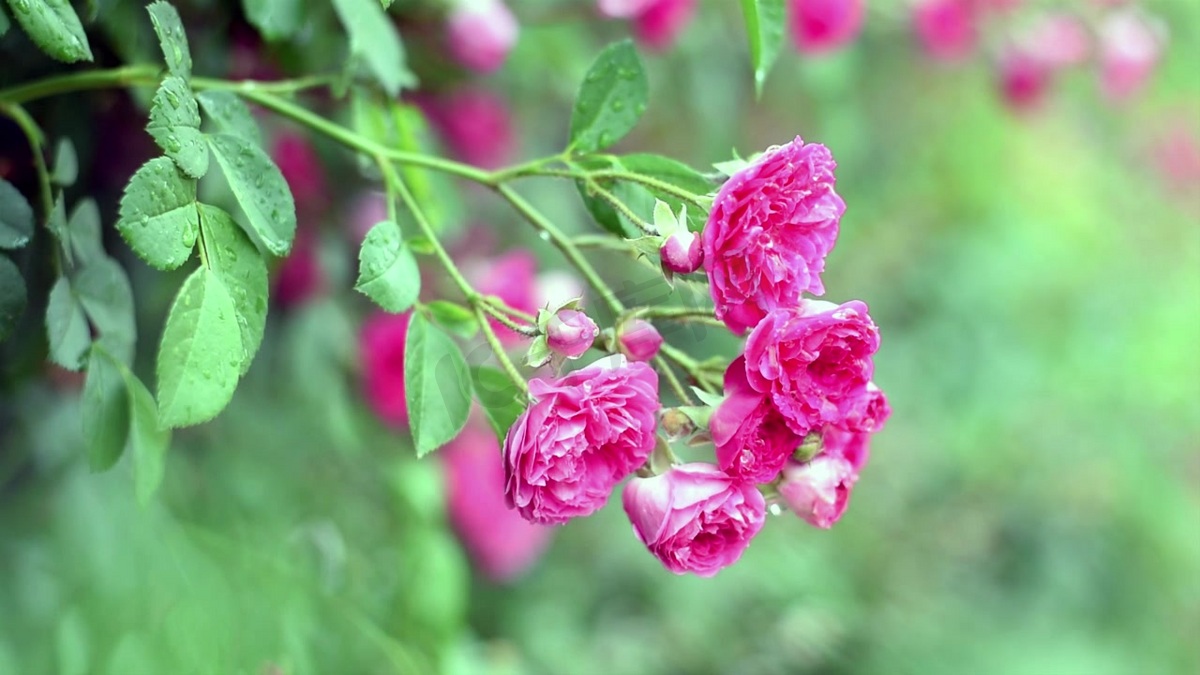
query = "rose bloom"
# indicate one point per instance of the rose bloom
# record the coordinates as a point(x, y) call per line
point(694, 518)
point(660, 23)
point(501, 543)
point(818, 490)
point(815, 362)
point(945, 28)
point(381, 345)
point(768, 233)
point(582, 434)
point(480, 33)
point(824, 25)
point(752, 439)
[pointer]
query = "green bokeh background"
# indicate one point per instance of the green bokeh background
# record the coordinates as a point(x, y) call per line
point(1033, 506)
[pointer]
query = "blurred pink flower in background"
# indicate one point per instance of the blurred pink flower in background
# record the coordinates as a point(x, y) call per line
point(824, 25)
point(510, 277)
point(302, 170)
point(500, 542)
point(1023, 78)
point(1057, 39)
point(381, 348)
point(366, 210)
point(660, 23)
point(623, 9)
point(557, 287)
point(945, 28)
point(481, 33)
point(475, 124)
point(1130, 44)
point(300, 277)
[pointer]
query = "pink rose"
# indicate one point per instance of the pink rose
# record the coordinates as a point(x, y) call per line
point(571, 333)
point(476, 125)
point(1024, 79)
point(582, 434)
point(819, 489)
point(752, 439)
point(824, 25)
point(659, 24)
point(768, 233)
point(1130, 46)
point(869, 412)
point(381, 344)
point(300, 276)
point(639, 340)
point(301, 168)
point(815, 362)
point(510, 277)
point(501, 542)
point(481, 33)
point(945, 28)
point(694, 518)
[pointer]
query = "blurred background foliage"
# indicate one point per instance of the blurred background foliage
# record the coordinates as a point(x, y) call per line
point(1032, 507)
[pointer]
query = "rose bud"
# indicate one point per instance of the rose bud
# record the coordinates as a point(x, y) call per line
point(682, 253)
point(571, 333)
point(638, 340)
point(818, 490)
point(694, 518)
point(481, 33)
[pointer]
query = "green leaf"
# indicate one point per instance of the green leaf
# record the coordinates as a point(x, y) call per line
point(4, 23)
point(260, 190)
point(158, 214)
point(12, 296)
point(175, 126)
point(233, 257)
point(71, 647)
point(147, 441)
point(54, 27)
point(374, 39)
point(386, 3)
point(500, 398)
point(673, 173)
point(764, 29)
point(275, 19)
point(103, 288)
point(611, 100)
point(708, 398)
point(171, 38)
point(387, 270)
point(66, 163)
point(230, 115)
point(105, 410)
point(66, 326)
point(437, 385)
point(16, 217)
point(454, 317)
point(82, 233)
point(201, 353)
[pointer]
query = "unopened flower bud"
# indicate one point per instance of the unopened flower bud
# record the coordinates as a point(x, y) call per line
point(675, 423)
point(638, 340)
point(818, 490)
point(681, 253)
point(481, 33)
point(571, 333)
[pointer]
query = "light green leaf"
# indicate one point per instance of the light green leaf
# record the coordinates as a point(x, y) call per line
point(66, 326)
point(611, 100)
point(387, 270)
point(147, 441)
point(386, 3)
point(105, 410)
point(201, 353)
point(454, 317)
point(538, 353)
point(103, 288)
point(54, 27)
point(16, 217)
point(12, 296)
point(260, 190)
point(374, 39)
point(501, 400)
point(66, 163)
point(764, 29)
point(171, 38)
point(83, 231)
point(230, 115)
point(708, 398)
point(275, 19)
point(158, 214)
point(175, 126)
point(437, 385)
point(233, 257)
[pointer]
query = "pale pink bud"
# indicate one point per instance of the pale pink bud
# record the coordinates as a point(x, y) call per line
point(818, 490)
point(481, 33)
point(682, 253)
point(622, 9)
point(571, 333)
point(1130, 46)
point(638, 340)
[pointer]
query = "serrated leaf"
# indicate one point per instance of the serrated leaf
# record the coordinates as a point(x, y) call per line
point(16, 217)
point(275, 19)
point(103, 288)
point(171, 38)
point(454, 317)
point(12, 296)
point(233, 257)
point(66, 326)
point(201, 354)
point(54, 27)
point(373, 38)
point(105, 410)
point(611, 100)
point(82, 233)
point(175, 126)
point(500, 399)
point(230, 115)
point(147, 441)
point(764, 30)
point(437, 385)
point(387, 270)
point(66, 163)
point(259, 188)
point(158, 214)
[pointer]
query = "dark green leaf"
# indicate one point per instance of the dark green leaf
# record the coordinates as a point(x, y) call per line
point(158, 214)
point(611, 100)
point(437, 385)
point(201, 353)
point(764, 29)
point(175, 126)
point(103, 288)
point(147, 441)
point(387, 270)
point(105, 410)
point(54, 27)
point(66, 163)
point(4, 24)
point(66, 326)
point(500, 398)
point(275, 19)
point(83, 231)
point(233, 257)
point(12, 296)
point(374, 39)
point(230, 115)
point(454, 317)
point(171, 38)
point(16, 217)
point(260, 190)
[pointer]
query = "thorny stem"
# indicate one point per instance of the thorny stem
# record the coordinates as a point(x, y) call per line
point(504, 319)
point(614, 174)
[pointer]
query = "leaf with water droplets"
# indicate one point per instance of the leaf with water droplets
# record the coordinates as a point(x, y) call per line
point(260, 190)
point(611, 100)
point(275, 19)
point(230, 115)
point(53, 26)
point(16, 217)
point(66, 163)
point(233, 257)
point(175, 126)
point(66, 326)
point(105, 410)
point(103, 288)
point(387, 270)
point(374, 39)
point(147, 441)
point(201, 354)
point(12, 296)
point(764, 29)
point(158, 214)
point(171, 37)
point(437, 385)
